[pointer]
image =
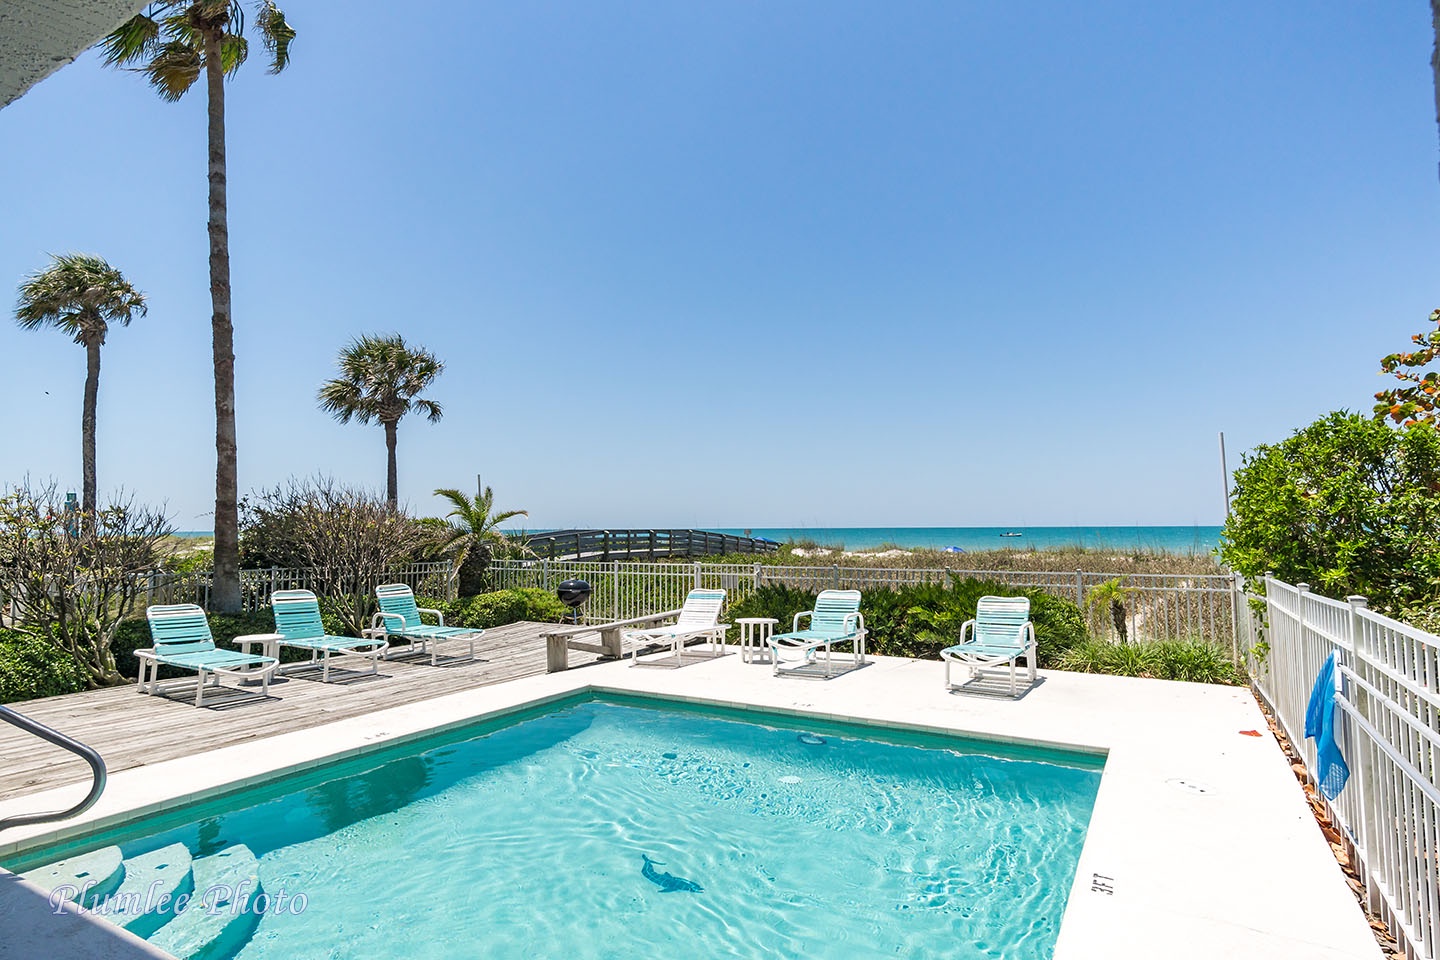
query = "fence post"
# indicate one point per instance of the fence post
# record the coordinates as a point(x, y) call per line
point(1080, 590)
point(615, 581)
point(545, 573)
point(697, 574)
point(837, 576)
point(452, 582)
point(1303, 591)
point(757, 576)
point(1360, 753)
point(1237, 597)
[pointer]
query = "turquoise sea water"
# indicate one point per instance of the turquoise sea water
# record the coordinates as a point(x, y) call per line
point(1192, 539)
point(1178, 539)
point(532, 841)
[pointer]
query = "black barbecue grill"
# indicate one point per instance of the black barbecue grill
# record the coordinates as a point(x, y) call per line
point(574, 594)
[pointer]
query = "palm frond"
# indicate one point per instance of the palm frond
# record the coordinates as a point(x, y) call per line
point(173, 70)
point(430, 409)
point(459, 502)
point(344, 400)
point(500, 518)
point(131, 41)
point(234, 48)
point(275, 33)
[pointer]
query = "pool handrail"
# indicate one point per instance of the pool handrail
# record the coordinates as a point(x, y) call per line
point(87, 753)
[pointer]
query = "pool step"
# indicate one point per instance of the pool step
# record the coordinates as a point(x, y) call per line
point(215, 925)
point(103, 869)
point(150, 879)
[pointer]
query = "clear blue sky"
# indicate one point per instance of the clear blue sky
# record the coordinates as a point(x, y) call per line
point(751, 263)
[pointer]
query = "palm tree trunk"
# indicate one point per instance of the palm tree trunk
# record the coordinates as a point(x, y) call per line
point(1435, 54)
point(87, 427)
point(392, 483)
point(225, 592)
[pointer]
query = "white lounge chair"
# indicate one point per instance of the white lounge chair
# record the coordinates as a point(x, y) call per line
point(1001, 633)
point(698, 618)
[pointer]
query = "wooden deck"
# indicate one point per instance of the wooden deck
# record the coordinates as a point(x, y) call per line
point(131, 730)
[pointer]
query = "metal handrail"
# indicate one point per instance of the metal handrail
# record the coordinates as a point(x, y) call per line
point(86, 753)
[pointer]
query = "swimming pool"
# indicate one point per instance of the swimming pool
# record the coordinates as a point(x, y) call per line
point(606, 827)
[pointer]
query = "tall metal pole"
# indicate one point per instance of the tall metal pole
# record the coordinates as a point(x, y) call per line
point(1225, 474)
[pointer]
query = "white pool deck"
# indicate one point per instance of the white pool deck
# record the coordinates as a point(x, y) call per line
point(1201, 844)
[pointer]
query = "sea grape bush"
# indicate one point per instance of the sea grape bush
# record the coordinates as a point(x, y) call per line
point(500, 607)
point(1348, 505)
point(1419, 402)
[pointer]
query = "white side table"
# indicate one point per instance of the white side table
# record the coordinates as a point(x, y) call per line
point(269, 646)
point(755, 632)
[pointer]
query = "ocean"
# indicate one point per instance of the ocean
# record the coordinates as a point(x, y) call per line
point(1184, 540)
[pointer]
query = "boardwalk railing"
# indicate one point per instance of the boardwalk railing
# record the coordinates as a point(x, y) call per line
point(1388, 732)
point(1163, 606)
point(434, 579)
point(607, 545)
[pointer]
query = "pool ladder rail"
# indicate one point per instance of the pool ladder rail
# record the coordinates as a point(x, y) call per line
point(87, 753)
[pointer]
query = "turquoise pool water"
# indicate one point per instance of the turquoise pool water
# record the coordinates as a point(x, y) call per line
point(628, 829)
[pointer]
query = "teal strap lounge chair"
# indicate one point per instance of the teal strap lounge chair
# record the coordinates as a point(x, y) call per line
point(399, 617)
point(698, 619)
point(1001, 633)
point(835, 619)
point(182, 638)
point(297, 621)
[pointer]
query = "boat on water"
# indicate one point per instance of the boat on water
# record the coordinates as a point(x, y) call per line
point(1011, 533)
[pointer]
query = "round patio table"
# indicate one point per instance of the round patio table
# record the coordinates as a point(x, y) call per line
point(755, 633)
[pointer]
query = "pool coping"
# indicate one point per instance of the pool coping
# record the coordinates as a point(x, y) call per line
point(1140, 883)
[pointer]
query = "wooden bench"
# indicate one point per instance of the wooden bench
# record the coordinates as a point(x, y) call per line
point(559, 642)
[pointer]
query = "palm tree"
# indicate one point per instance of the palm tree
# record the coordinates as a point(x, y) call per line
point(472, 534)
point(171, 42)
point(81, 295)
point(1112, 594)
point(382, 379)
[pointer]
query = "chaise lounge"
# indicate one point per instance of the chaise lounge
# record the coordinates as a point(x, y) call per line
point(835, 619)
point(182, 638)
point(1001, 633)
point(298, 624)
point(399, 617)
point(698, 619)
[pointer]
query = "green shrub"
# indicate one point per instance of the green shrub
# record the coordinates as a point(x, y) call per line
point(1347, 505)
point(1194, 661)
point(500, 607)
point(921, 620)
point(31, 668)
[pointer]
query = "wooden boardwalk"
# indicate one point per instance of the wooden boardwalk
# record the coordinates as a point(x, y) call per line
point(606, 545)
point(131, 730)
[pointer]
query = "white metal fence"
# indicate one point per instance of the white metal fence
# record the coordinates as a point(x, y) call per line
point(430, 579)
point(1162, 606)
point(1389, 735)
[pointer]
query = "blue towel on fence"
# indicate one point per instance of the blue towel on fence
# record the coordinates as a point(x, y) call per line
point(1320, 724)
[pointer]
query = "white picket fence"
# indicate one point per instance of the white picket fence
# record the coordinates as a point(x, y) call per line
point(1389, 734)
point(1162, 606)
point(435, 579)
